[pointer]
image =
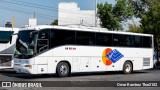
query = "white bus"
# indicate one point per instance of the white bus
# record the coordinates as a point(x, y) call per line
point(64, 50)
point(7, 45)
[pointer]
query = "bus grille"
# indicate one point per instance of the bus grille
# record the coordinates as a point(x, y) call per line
point(146, 61)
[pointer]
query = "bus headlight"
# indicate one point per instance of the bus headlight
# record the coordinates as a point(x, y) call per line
point(28, 66)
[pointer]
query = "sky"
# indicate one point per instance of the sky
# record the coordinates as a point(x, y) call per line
point(46, 11)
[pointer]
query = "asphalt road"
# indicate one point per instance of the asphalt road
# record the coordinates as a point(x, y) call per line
point(143, 75)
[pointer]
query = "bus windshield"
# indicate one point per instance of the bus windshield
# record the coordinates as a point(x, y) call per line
point(25, 44)
point(5, 36)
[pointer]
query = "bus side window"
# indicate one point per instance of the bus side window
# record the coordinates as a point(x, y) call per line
point(61, 37)
point(138, 41)
point(128, 40)
point(132, 40)
point(43, 34)
point(147, 42)
point(119, 40)
point(104, 39)
point(85, 38)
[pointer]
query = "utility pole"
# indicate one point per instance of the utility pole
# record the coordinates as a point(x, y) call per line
point(34, 15)
point(12, 22)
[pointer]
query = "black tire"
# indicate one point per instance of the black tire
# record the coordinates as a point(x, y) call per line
point(127, 67)
point(63, 69)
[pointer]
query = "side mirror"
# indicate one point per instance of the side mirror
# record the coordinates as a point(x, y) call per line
point(11, 34)
point(11, 37)
point(10, 40)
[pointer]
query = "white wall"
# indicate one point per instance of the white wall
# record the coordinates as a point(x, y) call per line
point(70, 14)
point(32, 22)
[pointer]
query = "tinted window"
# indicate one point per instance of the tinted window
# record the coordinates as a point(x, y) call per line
point(132, 41)
point(138, 41)
point(119, 40)
point(5, 36)
point(128, 40)
point(43, 34)
point(85, 38)
point(43, 40)
point(147, 42)
point(67, 37)
point(62, 37)
point(103, 39)
point(24, 35)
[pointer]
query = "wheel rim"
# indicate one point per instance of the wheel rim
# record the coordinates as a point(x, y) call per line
point(63, 69)
point(128, 68)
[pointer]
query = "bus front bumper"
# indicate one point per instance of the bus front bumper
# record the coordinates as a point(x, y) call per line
point(23, 68)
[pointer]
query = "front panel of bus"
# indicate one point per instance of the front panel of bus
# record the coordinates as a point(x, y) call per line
point(6, 49)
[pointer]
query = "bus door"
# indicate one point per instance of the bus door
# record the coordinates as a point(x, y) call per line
point(42, 41)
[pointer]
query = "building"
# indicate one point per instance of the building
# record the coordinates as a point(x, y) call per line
point(70, 14)
point(32, 22)
point(8, 24)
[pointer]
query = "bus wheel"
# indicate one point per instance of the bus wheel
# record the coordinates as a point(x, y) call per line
point(63, 69)
point(127, 67)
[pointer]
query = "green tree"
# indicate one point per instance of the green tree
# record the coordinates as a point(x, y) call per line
point(134, 28)
point(139, 6)
point(111, 17)
point(55, 22)
point(150, 21)
point(149, 13)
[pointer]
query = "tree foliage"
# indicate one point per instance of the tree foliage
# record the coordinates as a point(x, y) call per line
point(111, 16)
point(134, 28)
point(140, 6)
point(150, 21)
point(55, 22)
point(149, 13)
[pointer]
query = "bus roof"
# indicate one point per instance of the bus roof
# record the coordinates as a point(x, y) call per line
point(9, 29)
point(82, 28)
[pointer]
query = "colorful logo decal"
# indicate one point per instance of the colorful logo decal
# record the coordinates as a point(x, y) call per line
point(110, 56)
